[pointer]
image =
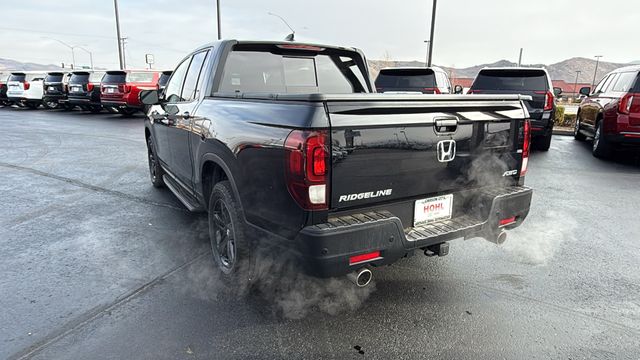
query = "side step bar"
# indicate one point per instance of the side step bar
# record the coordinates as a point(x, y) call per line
point(178, 190)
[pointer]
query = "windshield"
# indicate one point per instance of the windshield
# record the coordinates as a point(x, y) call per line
point(527, 80)
point(405, 79)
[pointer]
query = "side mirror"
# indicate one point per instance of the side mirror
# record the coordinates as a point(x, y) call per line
point(458, 89)
point(557, 91)
point(585, 91)
point(149, 97)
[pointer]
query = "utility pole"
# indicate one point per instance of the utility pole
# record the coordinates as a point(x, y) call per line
point(575, 85)
point(433, 26)
point(426, 60)
point(124, 59)
point(595, 73)
point(520, 58)
point(120, 50)
point(218, 16)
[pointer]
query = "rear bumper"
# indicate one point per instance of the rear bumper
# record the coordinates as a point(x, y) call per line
point(56, 97)
point(82, 101)
point(326, 248)
point(542, 126)
point(631, 139)
point(23, 100)
point(120, 104)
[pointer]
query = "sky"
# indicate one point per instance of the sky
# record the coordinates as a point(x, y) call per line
point(467, 32)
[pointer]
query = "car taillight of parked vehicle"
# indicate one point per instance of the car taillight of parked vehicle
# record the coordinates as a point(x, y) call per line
point(434, 90)
point(525, 147)
point(89, 87)
point(307, 167)
point(624, 107)
point(548, 99)
point(26, 85)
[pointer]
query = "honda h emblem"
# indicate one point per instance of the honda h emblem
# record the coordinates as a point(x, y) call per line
point(446, 150)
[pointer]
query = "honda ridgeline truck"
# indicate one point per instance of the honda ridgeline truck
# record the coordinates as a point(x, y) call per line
point(288, 144)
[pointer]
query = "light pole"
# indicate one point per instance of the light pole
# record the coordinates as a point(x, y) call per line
point(88, 52)
point(73, 55)
point(218, 16)
point(595, 73)
point(290, 37)
point(426, 61)
point(120, 58)
point(433, 26)
point(575, 85)
point(520, 58)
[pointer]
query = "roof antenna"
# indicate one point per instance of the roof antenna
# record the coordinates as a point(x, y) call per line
point(290, 37)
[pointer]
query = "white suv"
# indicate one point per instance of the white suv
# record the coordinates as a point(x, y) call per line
point(25, 88)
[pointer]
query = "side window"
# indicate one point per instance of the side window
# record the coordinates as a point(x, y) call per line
point(190, 90)
point(174, 86)
point(601, 84)
point(611, 80)
point(624, 83)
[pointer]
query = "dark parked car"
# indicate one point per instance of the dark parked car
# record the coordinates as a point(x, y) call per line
point(4, 78)
point(286, 144)
point(611, 113)
point(425, 80)
point(120, 89)
point(84, 90)
point(55, 89)
point(534, 82)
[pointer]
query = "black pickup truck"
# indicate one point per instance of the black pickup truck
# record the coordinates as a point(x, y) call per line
point(287, 144)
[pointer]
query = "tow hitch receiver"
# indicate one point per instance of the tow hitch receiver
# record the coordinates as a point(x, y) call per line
point(441, 249)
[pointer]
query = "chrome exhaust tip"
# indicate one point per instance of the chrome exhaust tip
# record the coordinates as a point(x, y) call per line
point(361, 277)
point(498, 239)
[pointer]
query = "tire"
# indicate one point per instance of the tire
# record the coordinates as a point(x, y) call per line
point(155, 170)
point(33, 106)
point(68, 107)
point(50, 104)
point(127, 112)
point(576, 130)
point(229, 242)
point(544, 142)
point(96, 109)
point(601, 147)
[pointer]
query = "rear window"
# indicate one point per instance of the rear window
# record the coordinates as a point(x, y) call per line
point(57, 77)
point(406, 79)
point(118, 77)
point(17, 77)
point(80, 78)
point(96, 76)
point(300, 72)
point(164, 78)
point(530, 80)
point(624, 82)
point(140, 77)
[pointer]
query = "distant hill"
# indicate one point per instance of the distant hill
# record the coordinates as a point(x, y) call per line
point(564, 70)
point(8, 64)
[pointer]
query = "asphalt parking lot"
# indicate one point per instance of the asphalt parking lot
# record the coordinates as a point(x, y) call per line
point(98, 264)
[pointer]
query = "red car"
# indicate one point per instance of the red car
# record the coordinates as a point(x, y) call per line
point(611, 113)
point(119, 89)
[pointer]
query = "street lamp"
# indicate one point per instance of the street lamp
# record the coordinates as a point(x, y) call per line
point(120, 40)
point(218, 17)
point(433, 26)
point(88, 52)
point(595, 73)
point(73, 56)
point(575, 85)
point(290, 37)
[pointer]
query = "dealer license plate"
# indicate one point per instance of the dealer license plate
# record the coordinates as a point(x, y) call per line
point(432, 209)
point(111, 90)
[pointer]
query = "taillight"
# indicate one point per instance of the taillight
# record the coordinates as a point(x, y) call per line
point(548, 99)
point(434, 90)
point(127, 88)
point(624, 107)
point(307, 160)
point(26, 85)
point(525, 147)
point(89, 87)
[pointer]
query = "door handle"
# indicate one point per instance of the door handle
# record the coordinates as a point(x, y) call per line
point(446, 126)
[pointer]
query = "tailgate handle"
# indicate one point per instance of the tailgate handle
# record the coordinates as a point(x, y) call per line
point(446, 126)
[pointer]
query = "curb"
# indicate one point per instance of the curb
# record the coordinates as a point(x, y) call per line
point(563, 132)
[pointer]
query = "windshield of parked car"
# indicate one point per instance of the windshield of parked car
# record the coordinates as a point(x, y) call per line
point(54, 77)
point(298, 71)
point(527, 80)
point(114, 77)
point(390, 79)
point(17, 77)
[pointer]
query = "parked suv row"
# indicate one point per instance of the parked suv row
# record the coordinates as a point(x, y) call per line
point(610, 114)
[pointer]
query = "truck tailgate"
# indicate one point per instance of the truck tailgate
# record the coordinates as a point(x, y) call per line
point(389, 148)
